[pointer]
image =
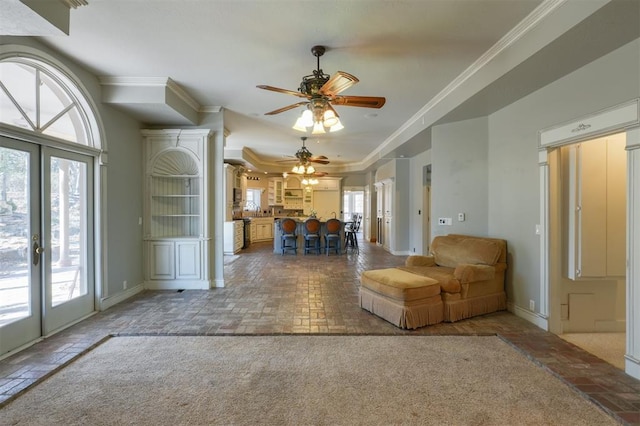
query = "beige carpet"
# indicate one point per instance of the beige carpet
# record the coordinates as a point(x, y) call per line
point(303, 380)
point(609, 347)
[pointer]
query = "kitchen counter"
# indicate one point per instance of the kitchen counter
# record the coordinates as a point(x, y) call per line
point(277, 234)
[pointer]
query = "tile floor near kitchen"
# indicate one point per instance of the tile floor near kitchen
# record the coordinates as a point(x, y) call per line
point(267, 293)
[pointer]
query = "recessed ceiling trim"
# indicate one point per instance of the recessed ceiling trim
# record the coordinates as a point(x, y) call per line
point(167, 82)
point(523, 27)
point(75, 3)
point(211, 108)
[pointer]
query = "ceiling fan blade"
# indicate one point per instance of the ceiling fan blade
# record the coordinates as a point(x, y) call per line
point(285, 91)
point(339, 82)
point(287, 108)
point(319, 161)
point(359, 101)
point(320, 174)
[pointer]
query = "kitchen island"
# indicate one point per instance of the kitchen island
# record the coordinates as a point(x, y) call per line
point(277, 234)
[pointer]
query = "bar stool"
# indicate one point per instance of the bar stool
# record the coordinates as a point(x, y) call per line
point(333, 239)
point(288, 227)
point(311, 232)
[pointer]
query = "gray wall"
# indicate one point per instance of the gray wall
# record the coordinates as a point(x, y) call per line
point(459, 157)
point(513, 154)
point(488, 169)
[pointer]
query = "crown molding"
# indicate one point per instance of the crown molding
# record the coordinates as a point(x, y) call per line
point(166, 82)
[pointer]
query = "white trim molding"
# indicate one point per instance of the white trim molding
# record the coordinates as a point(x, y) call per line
point(632, 356)
point(617, 119)
point(611, 120)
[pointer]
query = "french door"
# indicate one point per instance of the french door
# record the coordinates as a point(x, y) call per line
point(46, 241)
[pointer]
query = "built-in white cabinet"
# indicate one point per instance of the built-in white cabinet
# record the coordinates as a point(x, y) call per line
point(174, 260)
point(327, 184)
point(233, 236)
point(293, 193)
point(596, 211)
point(307, 200)
point(275, 192)
point(177, 219)
point(261, 229)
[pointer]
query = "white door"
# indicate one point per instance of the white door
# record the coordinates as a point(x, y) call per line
point(68, 238)
point(46, 248)
point(20, 241)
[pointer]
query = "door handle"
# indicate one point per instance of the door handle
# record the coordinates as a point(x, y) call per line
point(37, 251)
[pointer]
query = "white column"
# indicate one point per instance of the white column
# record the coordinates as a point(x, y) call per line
point(218, 208)
point(632, 356)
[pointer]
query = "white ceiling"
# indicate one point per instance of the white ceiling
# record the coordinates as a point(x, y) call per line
point(215, 52)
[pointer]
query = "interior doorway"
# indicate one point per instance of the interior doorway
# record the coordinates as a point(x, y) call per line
point(588, 232)
point(426, 209)
point(352, 204)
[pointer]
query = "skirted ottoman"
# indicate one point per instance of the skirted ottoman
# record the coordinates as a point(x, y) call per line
point(404, 299)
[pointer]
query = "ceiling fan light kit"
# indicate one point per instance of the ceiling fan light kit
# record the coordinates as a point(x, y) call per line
point(321, 90)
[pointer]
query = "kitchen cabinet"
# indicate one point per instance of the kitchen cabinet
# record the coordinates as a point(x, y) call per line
point(293, 193)
point(233, 236)
point(229, 179)
point(261, 229)
point(327, 184)
point(177, 208)
point(275, 192)
point(307, 200)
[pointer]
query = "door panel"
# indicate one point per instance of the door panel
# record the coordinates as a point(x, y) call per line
point(68, 242)
point(20, 276)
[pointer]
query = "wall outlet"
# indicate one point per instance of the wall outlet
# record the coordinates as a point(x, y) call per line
point(445, 221)
point(124, 284)
point(461, 217)
point(532, 305)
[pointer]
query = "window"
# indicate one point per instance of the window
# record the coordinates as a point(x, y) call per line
point(353, 203)
point(253, 199)
point(36, 97)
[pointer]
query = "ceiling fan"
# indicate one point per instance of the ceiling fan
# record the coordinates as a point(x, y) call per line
point(304, 158)
point(322, 93)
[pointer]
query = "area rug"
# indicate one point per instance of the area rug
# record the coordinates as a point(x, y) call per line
point(303, 380)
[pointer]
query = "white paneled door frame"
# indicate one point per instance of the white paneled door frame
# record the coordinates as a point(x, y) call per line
point(618, 119)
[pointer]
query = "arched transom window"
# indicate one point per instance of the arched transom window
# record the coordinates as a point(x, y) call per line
point(38, 97)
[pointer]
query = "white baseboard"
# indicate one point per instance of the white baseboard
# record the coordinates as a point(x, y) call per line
point(632, 366)
point(219, 283)
point(110, 301)
point(177, 285)
point(526, 314)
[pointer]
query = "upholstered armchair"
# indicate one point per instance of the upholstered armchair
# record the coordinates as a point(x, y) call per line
point(470, 271)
